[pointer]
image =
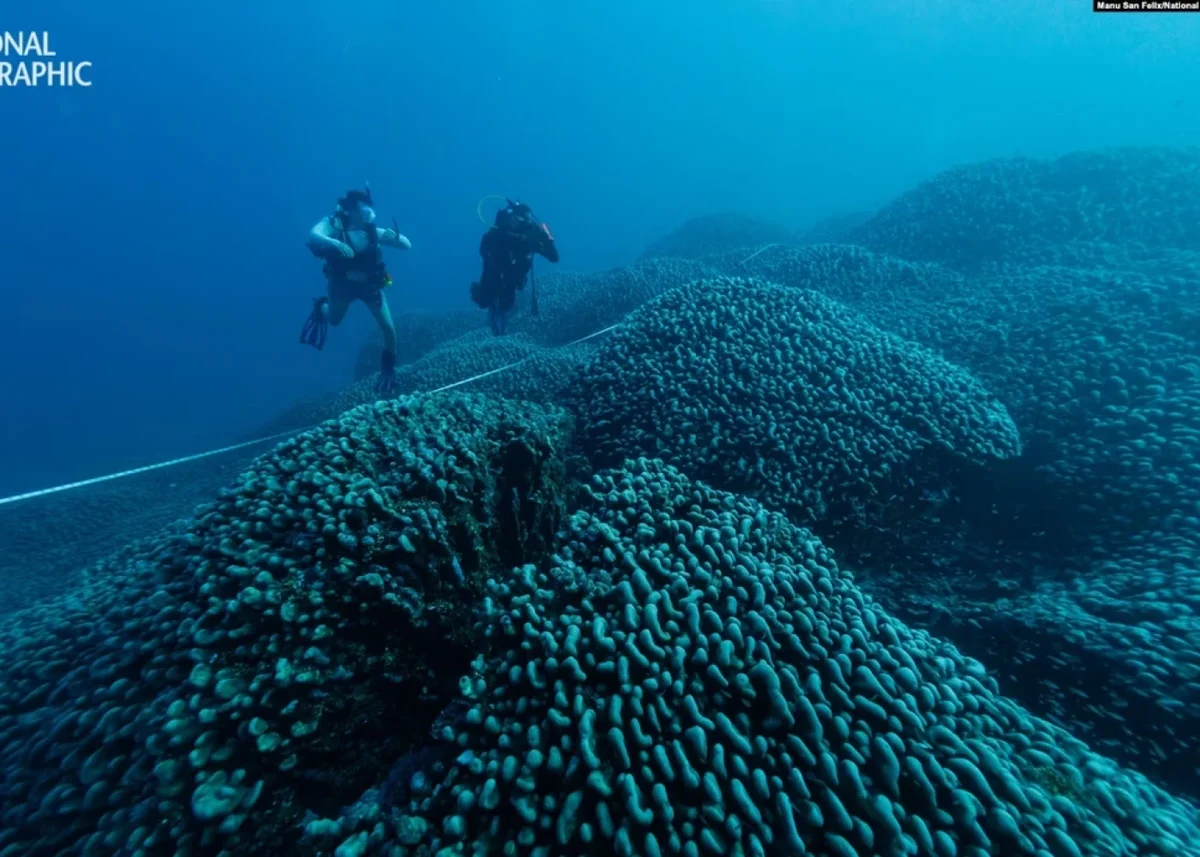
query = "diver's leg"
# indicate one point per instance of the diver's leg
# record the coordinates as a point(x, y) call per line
point(504, 305)
point(383, 317)
point(378, 305)
point(508, 299)
point(336, 306)
point(486, 295)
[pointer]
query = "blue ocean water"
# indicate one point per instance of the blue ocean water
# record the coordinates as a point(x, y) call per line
point(153, 266)
point(837, 495)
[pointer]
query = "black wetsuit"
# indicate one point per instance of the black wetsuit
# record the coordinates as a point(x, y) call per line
point(507, 259)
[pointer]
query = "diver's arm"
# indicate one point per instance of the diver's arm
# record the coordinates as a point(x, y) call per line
point(545, 245)
point(392, 238)
point(321, 236)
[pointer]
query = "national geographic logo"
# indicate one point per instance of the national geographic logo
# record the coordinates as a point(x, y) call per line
point(1146, 6)
point(26, 59)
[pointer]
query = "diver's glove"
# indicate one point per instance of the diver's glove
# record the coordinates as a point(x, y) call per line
point(387, 373)
point(316, 328)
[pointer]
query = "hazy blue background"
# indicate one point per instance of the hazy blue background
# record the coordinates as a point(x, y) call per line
point(154, 278)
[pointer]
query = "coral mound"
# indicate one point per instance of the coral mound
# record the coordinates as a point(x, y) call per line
point(1004, 208)
point(833, 229)
point(717, 233)
point(693, 675)
point(782, 394)
point(281, 652)
point(416, 631)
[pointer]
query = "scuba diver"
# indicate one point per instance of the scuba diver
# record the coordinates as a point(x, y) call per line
point(507, 249)
point(352, 247)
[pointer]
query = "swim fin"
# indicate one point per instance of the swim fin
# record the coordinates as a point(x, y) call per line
point(316, 327)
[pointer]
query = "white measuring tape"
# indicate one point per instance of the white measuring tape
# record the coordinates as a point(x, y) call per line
point(210, 453)
point(757, 252)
